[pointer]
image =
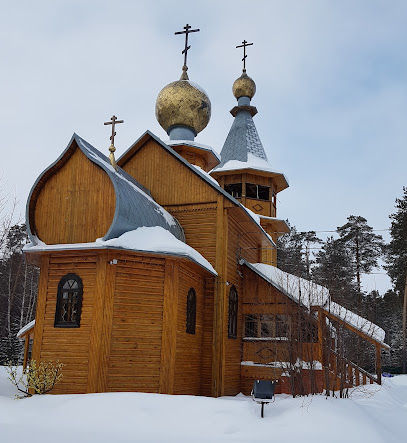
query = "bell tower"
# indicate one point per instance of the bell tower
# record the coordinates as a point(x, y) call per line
point(244, 170)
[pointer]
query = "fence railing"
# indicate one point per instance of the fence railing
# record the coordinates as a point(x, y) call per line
point(348, 372)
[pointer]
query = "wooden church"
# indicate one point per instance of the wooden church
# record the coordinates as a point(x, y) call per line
point(158, 272)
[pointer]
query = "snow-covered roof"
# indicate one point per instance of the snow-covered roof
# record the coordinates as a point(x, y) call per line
point(253, 162)
point(209, 177)
point(194, 144)
point(355, 320)
point(134, 206)
point(202, 174)
point(154, 239)
point(26, 328)
point(308, 294)
point(300, 290)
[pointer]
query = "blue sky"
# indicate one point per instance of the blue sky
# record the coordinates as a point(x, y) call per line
point(331, 90)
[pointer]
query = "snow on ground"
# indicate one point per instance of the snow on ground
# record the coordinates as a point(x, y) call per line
point(372, 414)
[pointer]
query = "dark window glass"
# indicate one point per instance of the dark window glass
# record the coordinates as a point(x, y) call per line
point(257, 191)
point(267, 326)
point(69, 302)
point(263, 192)
point(251, 190)
point(282, 326)
point(233, 303)
point(250, 326)
point(235, 189)
point(191, 311)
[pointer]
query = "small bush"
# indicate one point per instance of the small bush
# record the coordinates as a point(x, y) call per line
point(36, 378)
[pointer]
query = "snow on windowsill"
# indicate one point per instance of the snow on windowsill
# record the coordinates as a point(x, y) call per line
point(286, 364)
point(265, 338)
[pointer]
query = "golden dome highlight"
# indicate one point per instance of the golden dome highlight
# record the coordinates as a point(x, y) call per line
point(182, 103)
point(244, 86)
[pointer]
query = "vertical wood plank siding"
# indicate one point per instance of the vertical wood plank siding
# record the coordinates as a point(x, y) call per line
point(169, 181)
point(76, 204)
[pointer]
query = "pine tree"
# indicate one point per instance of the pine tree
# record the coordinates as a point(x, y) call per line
point(334, 270)
point(290, 256)
point(396, 256)
point(365, 247)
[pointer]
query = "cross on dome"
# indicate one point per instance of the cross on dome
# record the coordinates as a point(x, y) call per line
point(244, 45)
point(187, 30)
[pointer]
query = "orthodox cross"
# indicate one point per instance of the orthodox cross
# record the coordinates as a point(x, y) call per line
point(186, 32)
point(113, 122)
point(244, 45)
point(112, 149)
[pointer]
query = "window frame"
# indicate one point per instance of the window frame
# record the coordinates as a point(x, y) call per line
point(253, 191)
point(278, 325)
point(234, 189)
point(191, 312)
point(71, 324)
point(233, 312)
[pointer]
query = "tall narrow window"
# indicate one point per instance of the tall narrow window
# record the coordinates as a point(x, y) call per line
point(233, 303)
point(191, 311)
point(69, 302)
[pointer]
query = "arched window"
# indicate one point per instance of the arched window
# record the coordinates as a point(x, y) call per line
point(69, 302)
point(232, 324)
point(191, 311)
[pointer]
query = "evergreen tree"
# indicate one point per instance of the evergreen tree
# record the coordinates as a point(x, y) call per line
point(334, 270)
point(309, 239)
point(290, 256)
point(295, 254)
point(396, 256)
point(390, 317)
point(364, 246)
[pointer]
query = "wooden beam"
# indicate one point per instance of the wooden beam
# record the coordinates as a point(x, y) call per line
point(219, 328)
point(106, 317)
point(351, 328)
point(97, 323)
point(321, 333)
point(41, 303)
point(378, 364)
point(169, 327)
point(26, 349)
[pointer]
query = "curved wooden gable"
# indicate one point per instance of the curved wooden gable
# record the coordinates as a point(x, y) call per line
point(73, 201)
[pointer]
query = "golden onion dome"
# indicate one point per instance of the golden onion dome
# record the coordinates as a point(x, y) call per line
point(244, 86)
point(183, 103)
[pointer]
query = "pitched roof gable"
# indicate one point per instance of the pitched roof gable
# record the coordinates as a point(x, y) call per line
point(134, 205)
point(209, 180)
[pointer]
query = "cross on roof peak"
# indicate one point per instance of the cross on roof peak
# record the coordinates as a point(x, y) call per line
point(187, 30)
point(244, 45)
point(112, 148)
